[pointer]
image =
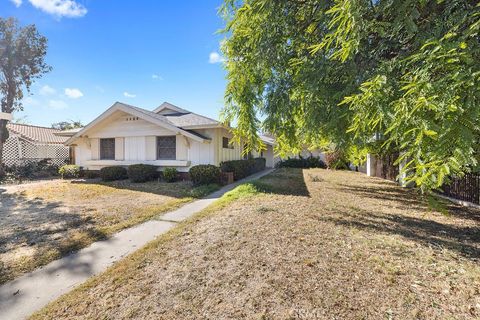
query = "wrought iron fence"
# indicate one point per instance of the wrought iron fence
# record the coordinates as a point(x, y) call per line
point(466, 188)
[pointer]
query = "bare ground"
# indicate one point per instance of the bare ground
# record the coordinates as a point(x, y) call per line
point(311, 244)
point(40, 222)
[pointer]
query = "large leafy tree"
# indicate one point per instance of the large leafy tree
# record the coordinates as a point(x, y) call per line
point(22, 60)
point(340, 72)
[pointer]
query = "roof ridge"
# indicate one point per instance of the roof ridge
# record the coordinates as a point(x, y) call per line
point(201, 115)
point(32, 125)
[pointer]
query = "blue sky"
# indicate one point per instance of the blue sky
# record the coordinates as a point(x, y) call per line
point(141, 52)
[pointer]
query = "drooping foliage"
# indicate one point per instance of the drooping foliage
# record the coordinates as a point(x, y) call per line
point(339, 73)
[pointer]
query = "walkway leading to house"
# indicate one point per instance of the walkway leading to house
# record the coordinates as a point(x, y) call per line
point(27, 294)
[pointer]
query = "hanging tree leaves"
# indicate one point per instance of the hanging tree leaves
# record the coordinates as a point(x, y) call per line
point(339, 72)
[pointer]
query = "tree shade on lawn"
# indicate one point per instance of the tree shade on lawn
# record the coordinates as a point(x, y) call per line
point(337, 73)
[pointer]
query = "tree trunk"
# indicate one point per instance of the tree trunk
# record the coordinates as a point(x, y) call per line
point(3, 138)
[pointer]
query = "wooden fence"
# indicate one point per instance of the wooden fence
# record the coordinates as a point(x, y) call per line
point(466, 188)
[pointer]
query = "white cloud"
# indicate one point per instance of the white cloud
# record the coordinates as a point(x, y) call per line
point(129, 95)
point(215, 57)
point(156, 77)
point(30, 102)
point(60, 8)
point(73, 93)
point(46, 90)
point(17, 3)
point(57, 104)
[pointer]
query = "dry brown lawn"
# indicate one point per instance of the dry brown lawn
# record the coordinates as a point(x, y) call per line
point(311, 244)
point(40, 222)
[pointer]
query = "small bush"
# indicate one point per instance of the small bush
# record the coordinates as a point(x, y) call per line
point(91, 174)
point(204, 174)
point(69, 171)
point(46, 167)
point(170, 174)
point(336, 160)
point(203, 190)
point(240, 168)
point(113, 173)
point(142, 172)
point(243, 168)
point(310, 162)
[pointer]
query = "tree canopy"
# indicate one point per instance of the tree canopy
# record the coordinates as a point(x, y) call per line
point(22, 60)
point(337, 73)
point(67, 125)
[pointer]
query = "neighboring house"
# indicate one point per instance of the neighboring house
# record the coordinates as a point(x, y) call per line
point(27, 143)
point(168, 136)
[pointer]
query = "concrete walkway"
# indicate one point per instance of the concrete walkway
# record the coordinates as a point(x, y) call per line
point(30, 292)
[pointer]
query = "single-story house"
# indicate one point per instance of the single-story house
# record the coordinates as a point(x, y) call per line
point(168, 136)
point(28, 143)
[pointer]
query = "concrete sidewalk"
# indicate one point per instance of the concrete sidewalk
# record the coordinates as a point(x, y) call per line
point(32, 291)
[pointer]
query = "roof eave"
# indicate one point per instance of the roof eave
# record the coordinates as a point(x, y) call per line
point(127, 109)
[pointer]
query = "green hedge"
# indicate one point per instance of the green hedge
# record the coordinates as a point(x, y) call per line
point(204, 174)
point(243, 168)
point(170, 174)
point(113, 173)
point(310, 162)
point(142, 172)
point(69, 171)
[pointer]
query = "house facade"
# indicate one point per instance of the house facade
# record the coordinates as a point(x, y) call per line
point(168, 136)
point(28, 143)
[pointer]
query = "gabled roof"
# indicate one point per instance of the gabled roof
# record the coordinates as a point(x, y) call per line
point(146, 115)
point(68, 132)
point(267, 140)
point(36, 134)
point(184, 118)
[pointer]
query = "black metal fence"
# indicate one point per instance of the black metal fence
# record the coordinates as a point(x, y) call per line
point(466, 188)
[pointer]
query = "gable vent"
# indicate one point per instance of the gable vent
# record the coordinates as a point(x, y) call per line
point(131, 119)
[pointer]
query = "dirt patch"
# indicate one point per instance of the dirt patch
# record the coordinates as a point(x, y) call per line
point(40, 222)
point(311, 244)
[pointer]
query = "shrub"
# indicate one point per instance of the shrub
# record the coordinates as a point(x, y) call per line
point(204, 174)
point(310, 162)
point(91, 174)
point(47, 168)
point(170, 174)
point(113, 173)
point(240, 168)
point(142, 172)
point(336, 160)
point(259, 164)
point(243, 168)
point(69, 171)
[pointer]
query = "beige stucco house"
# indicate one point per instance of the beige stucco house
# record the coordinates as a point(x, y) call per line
point(168, 136)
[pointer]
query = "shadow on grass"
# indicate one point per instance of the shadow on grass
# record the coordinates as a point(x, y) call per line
point(461, 239)
point(179, 189)
point(457, 237)
point(284, 182)
point(408, 199)
point(45, 229)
